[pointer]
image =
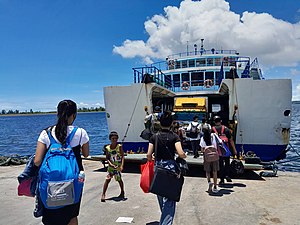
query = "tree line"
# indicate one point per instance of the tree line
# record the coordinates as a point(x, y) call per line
point(83, 109)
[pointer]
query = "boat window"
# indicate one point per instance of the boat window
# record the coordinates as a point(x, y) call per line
point(227, 74)
point(202, 62)
point(191, 63)
point(176, 80)
point(197, 79)
point(218, 77)
point(185, 77)
point(225, 61)
point(209, 75)
point(210, 61)
point(217, 62)
point(177, 65)
point(168, 81)
point(171, 64)
point(215, 108)
point(184, 63)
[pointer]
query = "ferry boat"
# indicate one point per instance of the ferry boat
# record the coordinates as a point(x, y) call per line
point(206, 83)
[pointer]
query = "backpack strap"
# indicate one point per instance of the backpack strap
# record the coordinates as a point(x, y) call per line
point(68, 140)
point(222, 129)
point(52, 140)
point(71, 135)
point(215, 130)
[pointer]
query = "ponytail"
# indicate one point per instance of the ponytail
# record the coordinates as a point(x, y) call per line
point(65, 109)
point(206, 135)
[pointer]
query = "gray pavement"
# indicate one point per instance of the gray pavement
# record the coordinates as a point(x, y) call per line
point(247, 200)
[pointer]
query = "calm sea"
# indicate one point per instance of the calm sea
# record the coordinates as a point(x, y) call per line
point(18, 134)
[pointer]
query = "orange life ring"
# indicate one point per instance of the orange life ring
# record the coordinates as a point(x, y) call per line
point(208, 83)
point(185, 86)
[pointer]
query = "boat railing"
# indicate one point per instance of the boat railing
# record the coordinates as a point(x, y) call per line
point(201, 52)
point(149, 74)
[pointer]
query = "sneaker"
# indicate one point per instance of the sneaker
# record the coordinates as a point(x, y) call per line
point(228, 179)
point(210, 185)
point(215, 190)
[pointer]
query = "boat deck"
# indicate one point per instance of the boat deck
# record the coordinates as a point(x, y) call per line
point(142, 158)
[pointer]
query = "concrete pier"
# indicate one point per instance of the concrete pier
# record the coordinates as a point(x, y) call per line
point(248, 200)
point(142, 158)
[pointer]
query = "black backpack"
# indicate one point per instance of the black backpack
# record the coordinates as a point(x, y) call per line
point(194, 131)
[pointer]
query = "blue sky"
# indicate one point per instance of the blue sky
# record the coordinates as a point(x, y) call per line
point(52, 50)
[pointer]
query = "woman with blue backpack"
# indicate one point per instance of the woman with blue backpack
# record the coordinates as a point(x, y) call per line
point(61, 176)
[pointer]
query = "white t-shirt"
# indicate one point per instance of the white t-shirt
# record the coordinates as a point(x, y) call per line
point(80, 138)
point(213, 141)
point(198, 127)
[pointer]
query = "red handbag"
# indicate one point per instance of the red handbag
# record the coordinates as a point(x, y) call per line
point(147, 173)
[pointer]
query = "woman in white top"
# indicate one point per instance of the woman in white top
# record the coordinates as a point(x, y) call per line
point(209, 139)
point(66, 114)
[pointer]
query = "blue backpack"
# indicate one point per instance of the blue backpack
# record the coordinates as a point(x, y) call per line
point(58, 175)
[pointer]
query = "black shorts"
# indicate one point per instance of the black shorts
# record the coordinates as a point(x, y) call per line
point(60, 216)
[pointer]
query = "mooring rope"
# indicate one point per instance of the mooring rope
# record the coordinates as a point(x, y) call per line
point(125, 135)
point(291, 159)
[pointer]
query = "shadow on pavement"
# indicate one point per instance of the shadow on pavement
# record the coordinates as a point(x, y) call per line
point(153, 223)
point(194, 171)
point(116, 199)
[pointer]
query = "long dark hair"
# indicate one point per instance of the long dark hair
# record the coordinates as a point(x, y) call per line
point(206, 135)
point(65, 109)
point(166, 119)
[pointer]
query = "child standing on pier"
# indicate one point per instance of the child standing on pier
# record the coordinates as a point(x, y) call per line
point(115, 159)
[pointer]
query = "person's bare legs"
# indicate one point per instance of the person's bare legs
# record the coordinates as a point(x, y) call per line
point(105, 186)
point(122, 195)
point(215, 177)
point(209, 183)
point(73, 221)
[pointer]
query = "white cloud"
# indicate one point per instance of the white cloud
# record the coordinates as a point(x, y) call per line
point(275, 42)
point(82, 104)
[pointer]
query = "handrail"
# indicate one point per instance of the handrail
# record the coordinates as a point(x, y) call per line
point(201, 52)
point(152, 74)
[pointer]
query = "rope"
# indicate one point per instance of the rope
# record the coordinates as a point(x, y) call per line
point(293, 158)
point(238, 116)
point(125, 135)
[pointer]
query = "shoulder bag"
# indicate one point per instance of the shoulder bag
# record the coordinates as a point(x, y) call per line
point(166, 183)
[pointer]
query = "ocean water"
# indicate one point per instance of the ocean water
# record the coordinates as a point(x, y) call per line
point(19, 134)
point(292, 161)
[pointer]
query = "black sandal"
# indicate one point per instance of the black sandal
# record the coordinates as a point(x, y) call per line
point(122, 195)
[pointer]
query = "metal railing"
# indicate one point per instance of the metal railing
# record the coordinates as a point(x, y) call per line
point(152, 74)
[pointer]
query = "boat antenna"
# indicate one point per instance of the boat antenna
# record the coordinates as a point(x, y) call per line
point(187, 47)
point(202, 49)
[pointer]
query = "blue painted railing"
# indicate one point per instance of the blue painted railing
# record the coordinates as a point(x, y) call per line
point(143, 74)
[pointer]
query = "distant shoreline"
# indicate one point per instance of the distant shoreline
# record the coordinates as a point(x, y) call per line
point(46, 113)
